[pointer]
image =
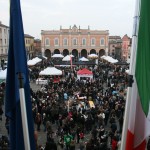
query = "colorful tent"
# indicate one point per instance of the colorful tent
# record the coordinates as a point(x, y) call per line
point(84, 73)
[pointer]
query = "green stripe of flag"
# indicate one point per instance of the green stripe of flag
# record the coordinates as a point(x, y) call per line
point(142, 72)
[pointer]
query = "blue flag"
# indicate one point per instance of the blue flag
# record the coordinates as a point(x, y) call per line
point(17, 62)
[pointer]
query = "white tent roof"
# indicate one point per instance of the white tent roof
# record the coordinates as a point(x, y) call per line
point(34, 61)
point(93, 56)
point(3, 74)
point(57, 56)
point(67, 58)
point(83, 59)
point(71, 55)
point(44, 57)
point(51, 71)
point(110, 59)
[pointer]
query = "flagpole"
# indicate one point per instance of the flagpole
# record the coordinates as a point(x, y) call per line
point(131, 72)
point(23, 113)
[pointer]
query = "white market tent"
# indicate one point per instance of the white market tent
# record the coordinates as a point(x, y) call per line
point(34, 61)
point(3, 74)
point(67, 58)
point(71, 55)
point(44, 57)
point(83, 59)
point(109, 59)
point(57, 56)
point(93, 56)
point(51, 71)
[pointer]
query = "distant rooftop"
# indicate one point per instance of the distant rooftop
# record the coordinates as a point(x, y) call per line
point(28, 36)
point(2, 25)
point(114, 37)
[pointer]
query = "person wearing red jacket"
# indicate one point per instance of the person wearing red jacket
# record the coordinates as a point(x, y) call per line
point(114, 143)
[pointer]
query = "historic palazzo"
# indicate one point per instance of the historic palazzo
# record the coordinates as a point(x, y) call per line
point(76, 41)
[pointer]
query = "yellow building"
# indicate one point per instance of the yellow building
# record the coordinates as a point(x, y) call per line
point(29, 44)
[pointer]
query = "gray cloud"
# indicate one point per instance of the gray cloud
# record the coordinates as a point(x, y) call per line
point(113, 15)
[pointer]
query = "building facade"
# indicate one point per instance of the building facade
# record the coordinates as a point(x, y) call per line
point(76, 41)
point(115, 47)
point(29, 44)
point(129, 51)
point(126, 45)
point(37, 47)
point(4, 42)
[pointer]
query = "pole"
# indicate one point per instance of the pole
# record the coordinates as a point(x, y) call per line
point(23, 113)
point(68, 105)
point(131, 72)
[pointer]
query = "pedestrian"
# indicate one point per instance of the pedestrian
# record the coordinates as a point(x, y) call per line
point(38, 121)
point(67, 140)
point(1, 113)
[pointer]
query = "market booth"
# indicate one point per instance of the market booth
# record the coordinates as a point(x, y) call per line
point(3, 74)
point(84, 74)
point(34, 61)
point(48, 73)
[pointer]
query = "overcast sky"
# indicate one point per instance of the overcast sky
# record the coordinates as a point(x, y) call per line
point(113, 15)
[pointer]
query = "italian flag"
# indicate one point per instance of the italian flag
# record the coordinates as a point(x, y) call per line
point(139, 115)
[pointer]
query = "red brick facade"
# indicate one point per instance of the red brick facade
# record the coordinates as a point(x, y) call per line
point(76, 41)
point(126, 43)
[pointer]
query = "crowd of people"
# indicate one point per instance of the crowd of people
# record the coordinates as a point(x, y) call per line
point(82, 126)
point(71, 123)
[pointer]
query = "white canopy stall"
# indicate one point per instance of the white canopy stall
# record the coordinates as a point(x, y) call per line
point(51, 71)
point(67, 58)
point(109, 59)
point(34, 61)
point(83, 59)
point(93, 56)
point(3, 74)
point(57, 56)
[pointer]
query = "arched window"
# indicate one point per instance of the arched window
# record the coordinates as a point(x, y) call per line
point(47, 41)
point(102, 41)
point(93, 42)
point(74, 42)
point(65, 42)
point(84, 41)
point(56, 42)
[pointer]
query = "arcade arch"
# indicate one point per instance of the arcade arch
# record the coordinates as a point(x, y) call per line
point(92, 51)
point(56, 51)
point(101, 52)
point(65, 52)
point(47, 53)
point(75, 53)
point(84, 53)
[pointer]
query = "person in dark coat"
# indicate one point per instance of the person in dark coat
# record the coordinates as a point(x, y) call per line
point(51, 145)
